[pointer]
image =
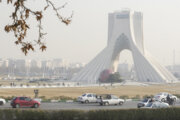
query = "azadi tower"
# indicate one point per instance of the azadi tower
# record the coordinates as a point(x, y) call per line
point(125, 31)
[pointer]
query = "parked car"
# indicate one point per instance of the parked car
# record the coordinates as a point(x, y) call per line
point(157, 104)
point(109, 99)
point(18, 102)
point(144, 102)
point(162, 96)
point(87, 98)
point(2, 101)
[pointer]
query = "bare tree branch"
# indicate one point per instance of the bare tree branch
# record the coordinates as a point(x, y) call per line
point(20, 27)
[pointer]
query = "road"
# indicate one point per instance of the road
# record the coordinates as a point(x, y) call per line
point(79, 106)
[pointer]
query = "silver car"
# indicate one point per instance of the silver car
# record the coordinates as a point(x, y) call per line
point(163, 95)
point(157, 104)
point(87, 98)
point(109, 99)
point(144, 102)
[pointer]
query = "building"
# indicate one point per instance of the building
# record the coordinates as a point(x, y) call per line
point(125, 32)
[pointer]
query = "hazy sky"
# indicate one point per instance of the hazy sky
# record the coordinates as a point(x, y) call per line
point(86, 36)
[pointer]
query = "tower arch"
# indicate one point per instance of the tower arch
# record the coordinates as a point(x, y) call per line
point(125, 32)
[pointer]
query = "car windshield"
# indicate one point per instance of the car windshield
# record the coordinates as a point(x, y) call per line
point(14, 98)
point(114, 97)
point(145, 100)
point(28, 99)
point(84, 95)
point(149, 104)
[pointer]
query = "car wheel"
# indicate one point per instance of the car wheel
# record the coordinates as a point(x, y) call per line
point(17, 106)
point(106, 103)
point(101, 104)
point(120, 103)
point(36, 105)
point(86, 101)
point(163, 100)
point(1, 102)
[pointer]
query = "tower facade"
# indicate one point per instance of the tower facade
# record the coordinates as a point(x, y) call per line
point(125, 31)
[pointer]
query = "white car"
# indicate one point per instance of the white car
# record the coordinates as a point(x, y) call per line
point(87, 98)
point(2, 101)
point(162, 97)
point(156, 104)
point(109, 100)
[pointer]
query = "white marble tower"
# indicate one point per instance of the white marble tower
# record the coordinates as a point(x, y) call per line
point(125, 31)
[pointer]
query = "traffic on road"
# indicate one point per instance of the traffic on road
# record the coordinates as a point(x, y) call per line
point(79, 106)
point(91, 101)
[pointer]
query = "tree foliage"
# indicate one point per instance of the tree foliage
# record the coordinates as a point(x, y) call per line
point(115, 77)
point(112, 78)
point(19, 25)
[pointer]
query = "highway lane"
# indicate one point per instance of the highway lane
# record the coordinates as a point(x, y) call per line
point(90, 106)
point(79, 106)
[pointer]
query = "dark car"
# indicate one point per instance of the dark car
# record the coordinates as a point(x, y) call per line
point(18, 102)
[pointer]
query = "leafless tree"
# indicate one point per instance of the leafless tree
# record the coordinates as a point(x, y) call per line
point(20, 27)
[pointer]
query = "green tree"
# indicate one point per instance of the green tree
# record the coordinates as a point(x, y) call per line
point(114, 78)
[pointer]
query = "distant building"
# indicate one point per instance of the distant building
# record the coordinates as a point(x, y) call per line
point(125, 70)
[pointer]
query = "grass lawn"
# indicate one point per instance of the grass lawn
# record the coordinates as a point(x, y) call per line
point(74, 92)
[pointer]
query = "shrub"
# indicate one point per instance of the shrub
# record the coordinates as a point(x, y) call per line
point(178, 95)
point(46, 100)
point(145, 96)
point(136, 97)
point(124, 97)
point(42, 97)
point(65, 98)
point(62, 98)
point(121, 114)
point(7, 98)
